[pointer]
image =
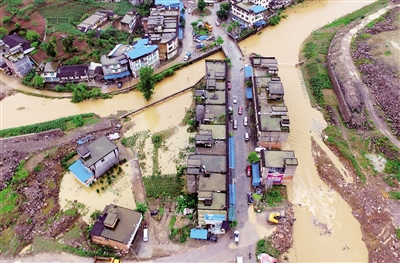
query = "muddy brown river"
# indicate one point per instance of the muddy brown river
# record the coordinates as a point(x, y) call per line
point(325, 229)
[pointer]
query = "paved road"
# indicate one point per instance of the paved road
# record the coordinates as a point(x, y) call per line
point(355, 77)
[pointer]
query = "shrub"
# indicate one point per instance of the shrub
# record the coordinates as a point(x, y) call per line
point(6, 19)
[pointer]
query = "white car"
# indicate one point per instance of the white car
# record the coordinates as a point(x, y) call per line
point(234, 99)
point(259, 149)
point(236, 236)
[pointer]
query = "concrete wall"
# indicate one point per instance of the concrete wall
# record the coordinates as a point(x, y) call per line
point(101, 166)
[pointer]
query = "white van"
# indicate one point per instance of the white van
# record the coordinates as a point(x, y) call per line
point(246, 136)
point(235, 124)
point(239, 259)
point(245, 121)
point(145, 235)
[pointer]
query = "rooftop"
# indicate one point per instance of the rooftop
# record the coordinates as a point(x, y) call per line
point(217, 110)
point(215, 183)
point(92, 19)
point(277, 158)
point(140, 49)
point(215, 97)
point(98, 149)
point(218, 131)
point(215, 69)
point(50, 67)
point(205, 213)
point(218, 202)
point(72, 71)
point(15, 40)
point(119, 60)
point(213, 163)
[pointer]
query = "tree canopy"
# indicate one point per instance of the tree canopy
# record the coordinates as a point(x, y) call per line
point(146, 83)
point(3, 32)
point(32, 36)
point(253, 157)
point(68, 44)
point(201, 5)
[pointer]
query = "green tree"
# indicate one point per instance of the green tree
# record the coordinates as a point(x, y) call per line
point(141, 208)
point(201, 5)
point(50, 50)
point(229, 29)
point(91, 33)
point(219, 40)
point(39, 2)
point(253, 157)
point(3, 32)
point(233, 224)
point(68, 43)
point(78, 120)
point(38, 81)
point(146, 83)
point(79, 93)
point(32, 36)
point(6, 19)
point(225, 6)
point(17, 25)
point(222, 14)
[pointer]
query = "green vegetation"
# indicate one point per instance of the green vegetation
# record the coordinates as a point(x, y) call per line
point(33, 80)
point(9, 242)
point(146, 82)
point(265, 246)
point(375, 21)
point(9, 200)
point(186, 201)
point(253, 157)
point(395, 195)
point(223, 11)
point(162, 185)
point(20, 174)
point(81, 92)
point(158, 139)
point(137, 140)
point(43, 126)
point(141, 208)
point(64, 161)
point(275, 195)
point(201, 5)
point(96, 251)
point(233, 224)
point(398, 233)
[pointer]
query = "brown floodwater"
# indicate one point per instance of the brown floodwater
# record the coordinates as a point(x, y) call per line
point(325, 229)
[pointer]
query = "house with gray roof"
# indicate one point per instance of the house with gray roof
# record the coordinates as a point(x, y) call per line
point(115, 65)
point(18, 61)
point(130, 21)
point(95, 159)
point(92, 22)
point(142, 54)
point(49, 71)
point(248, 14)
point(116, 227)
point(278, 166)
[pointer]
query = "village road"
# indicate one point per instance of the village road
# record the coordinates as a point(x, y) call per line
point(356, 80)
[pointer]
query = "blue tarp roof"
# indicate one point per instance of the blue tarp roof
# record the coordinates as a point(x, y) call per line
point(214, 217)
point(198, 233)
point(260, 23)
point(231, 152)
point(232, 212)
point(141, 48)
point(248, 72)
point(80, 171)
point(255, 170)
point(166, 2)
point(232, 194)
point(257, 8)
point(117, 76)
point(180, 33)
point(249, 93)
point(202, 37)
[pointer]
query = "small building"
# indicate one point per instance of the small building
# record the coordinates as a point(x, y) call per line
point(4, 48)
point(73, 73)
point(18, 61)
point(278, 166)
point(94, 160)
point(130, 21)
point(247, 14)
point(116, 227)
point(16, 40)
point(95, 71)
point(114, 67)
point(92, 22)
point(142, 54)
point(204, 140)
point(49, 72)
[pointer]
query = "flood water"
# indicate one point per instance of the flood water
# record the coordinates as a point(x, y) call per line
point(317, 208)
point(325, 229)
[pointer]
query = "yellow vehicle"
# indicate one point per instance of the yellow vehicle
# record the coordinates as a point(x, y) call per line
point(106, 260)
point(208, 26)
point(275, 218)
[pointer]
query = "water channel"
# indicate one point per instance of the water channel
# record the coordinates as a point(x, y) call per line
point(315, 204)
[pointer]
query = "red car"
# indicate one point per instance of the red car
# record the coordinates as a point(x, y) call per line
point(240, 110)
point(248, 171)
point(229, 85)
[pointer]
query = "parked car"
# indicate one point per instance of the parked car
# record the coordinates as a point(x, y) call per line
point(259, 149)
point(212, 238)
point(211, 38)
point(216, 23)
point(240, 110)
point(197, 40)
point(250, 199)
point(236, 236)
point(245, 121)
point(199, 46)
point(248, 171)
point(230, 109)
point(229, 85)
point(234, 99)
point(235, 126)
point(246, 136)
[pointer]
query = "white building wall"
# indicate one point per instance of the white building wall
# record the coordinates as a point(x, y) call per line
point(106, 163)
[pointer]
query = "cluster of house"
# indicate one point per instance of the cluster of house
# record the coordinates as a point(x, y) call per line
point(251, 13)
point(161, 42)
point(208, 169)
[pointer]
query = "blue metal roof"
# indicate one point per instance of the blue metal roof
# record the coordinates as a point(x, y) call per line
point(214, 217)
point(141, 48)
point(232, 194)
point(255, 170)
point(180, 33)
point(231, 152)
point(117, 76)
point(249, 93)
point(232, 212)
point(167, 2)
point(248, 72)
point(81, 172)
point(260, 23)
point(257, 8)
point(198, 233)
